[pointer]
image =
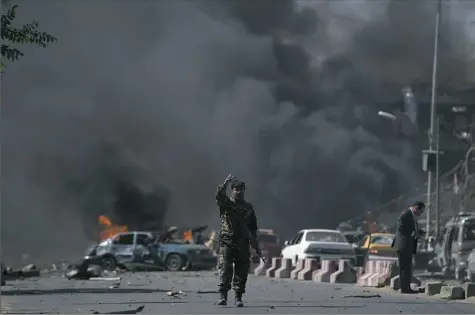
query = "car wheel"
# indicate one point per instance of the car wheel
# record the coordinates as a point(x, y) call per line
point(174, 262)
point(108, 262)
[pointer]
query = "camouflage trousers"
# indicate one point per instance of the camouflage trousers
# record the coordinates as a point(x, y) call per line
point(234, 259)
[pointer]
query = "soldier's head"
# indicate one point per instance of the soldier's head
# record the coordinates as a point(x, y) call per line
point(237, 190)
point(417, 208)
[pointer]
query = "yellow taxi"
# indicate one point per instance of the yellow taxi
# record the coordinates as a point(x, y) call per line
point(379, 244)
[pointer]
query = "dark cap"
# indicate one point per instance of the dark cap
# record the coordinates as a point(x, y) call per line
point(418, 205)
point(238, 185)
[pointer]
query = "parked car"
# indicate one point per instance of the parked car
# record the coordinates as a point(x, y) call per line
point(455, 246)
point(142, 247)
point(319, 244)
point(378, 245)
point(269, 244)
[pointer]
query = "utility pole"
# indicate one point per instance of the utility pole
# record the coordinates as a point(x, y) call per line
point(437, 181)
point(433, 115)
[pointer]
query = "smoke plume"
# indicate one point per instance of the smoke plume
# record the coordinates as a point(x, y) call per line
point(142, 107)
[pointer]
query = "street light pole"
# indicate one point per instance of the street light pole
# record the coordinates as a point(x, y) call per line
point(433, 113)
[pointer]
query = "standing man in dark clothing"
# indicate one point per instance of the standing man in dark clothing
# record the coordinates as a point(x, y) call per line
point(405, 242)
point(238, 230)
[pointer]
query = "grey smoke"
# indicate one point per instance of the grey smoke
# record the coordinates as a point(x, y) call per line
point(168, 97)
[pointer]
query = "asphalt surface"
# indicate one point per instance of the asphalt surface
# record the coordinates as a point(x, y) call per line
point(52, 294)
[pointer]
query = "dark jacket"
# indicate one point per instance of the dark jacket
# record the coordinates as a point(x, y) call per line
point(238, 220)
point(403, 240)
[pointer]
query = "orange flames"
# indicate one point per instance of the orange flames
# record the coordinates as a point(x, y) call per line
point(188, 236)
point(109, 228)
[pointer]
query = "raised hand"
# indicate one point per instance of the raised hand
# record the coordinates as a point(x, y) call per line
point(229, 179)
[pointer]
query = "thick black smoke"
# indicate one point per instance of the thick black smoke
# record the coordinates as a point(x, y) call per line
point(143, 107)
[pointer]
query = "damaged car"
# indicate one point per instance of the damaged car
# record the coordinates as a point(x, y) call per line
point(144, 248)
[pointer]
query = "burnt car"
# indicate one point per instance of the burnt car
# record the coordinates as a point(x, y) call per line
point(145, 248)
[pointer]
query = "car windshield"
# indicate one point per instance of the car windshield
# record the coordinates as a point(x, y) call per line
point(469, 231)
point(334, 237)
point(267, 238)
point(382, 239)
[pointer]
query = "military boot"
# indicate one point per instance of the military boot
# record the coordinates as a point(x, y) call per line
point(223, 298)
point(239, 302)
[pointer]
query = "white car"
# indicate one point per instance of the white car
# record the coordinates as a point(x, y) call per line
point(319, 244)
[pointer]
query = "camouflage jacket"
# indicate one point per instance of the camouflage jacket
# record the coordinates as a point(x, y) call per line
point(238, 220)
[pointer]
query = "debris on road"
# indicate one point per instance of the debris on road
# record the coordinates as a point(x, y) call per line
point(174, 293)
point(28, 271)
point(134, 311)
point(88, 271)
point(364, 296)
point(208, 292)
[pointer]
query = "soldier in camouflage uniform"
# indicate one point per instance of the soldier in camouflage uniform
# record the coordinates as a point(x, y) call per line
point(238, 230)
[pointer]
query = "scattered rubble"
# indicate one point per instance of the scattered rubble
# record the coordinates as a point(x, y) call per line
point(88, 271)
point(363, 296)
point(134, 311)
point(26, 272)
point(175, 293)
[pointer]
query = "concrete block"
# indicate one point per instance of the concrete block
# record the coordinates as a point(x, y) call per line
point(261, 269)
point(433, 288)
point(284, 271)
point(323, 274)
point(306, 273)
point(394, 283)
point(469, 288)
point(382, 274)
point(274, 266)
point(299, 267)
point(369, 271)
point(452, 292)
point(344, 274)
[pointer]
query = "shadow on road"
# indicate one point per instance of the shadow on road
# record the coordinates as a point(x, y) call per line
point(77, 290)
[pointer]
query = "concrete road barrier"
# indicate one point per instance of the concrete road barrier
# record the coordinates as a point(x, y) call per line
point(395, 283)
point(261, 269)
point(345, 273)
point(284, 271)
point(306, 273)
point(384, 272)
point(276, 263)
point(452, 292)
point(369, 270)
point(469, 289)
point(433, 288)
point(298, 267)
point(326, 269)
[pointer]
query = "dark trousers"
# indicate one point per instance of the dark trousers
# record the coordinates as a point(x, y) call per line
point(234, 264)
point(405, 270)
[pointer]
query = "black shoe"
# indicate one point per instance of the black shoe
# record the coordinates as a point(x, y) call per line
point(239, 302)
point(223, 299)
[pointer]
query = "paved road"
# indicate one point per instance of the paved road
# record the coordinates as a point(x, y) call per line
point(53, 294)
